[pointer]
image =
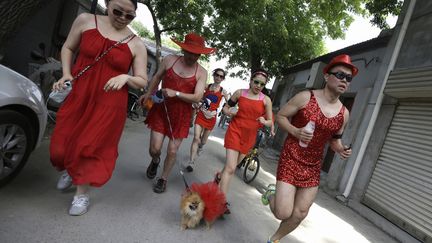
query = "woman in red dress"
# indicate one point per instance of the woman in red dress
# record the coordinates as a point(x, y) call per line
point(183, 82)
point(298, 173)
point(206, 116)
point(90, 122)
point(254, 110)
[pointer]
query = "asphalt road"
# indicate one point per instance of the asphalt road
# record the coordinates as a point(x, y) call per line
point(127, 210)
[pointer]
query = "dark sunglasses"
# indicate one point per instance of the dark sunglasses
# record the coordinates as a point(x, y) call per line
point(259, 83)
point(218, 75)
point(342, 75)
point(120, 13)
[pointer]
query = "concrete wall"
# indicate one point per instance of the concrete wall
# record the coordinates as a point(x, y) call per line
point(412, 48)
point(416, 50)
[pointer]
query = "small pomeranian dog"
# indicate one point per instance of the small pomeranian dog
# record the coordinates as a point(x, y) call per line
point(192, 209)
point(201, 201)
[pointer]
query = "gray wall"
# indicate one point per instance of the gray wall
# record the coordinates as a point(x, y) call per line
point(416, 50)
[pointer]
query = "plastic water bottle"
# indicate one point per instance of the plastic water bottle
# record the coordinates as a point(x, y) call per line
point(60, 95)
point(310, 127)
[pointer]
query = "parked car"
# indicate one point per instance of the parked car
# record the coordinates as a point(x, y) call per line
point(23, 118)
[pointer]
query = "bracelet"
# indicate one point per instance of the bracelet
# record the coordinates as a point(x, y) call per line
point(337, 136)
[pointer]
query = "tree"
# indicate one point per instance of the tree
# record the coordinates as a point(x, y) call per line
point(277, 34)
point(176, 17)
point(381, 9)
point(270, 34)
point(141, 30)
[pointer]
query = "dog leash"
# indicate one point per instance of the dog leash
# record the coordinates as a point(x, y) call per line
point(172, 135)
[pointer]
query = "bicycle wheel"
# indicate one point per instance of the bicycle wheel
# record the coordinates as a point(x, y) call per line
point(133, 106)
point(251, 169)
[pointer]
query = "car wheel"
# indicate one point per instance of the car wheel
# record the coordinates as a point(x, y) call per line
point(16, 143)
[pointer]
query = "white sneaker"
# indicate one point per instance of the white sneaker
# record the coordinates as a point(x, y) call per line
point(64, 182)
point(200, 150)
point(80, 204)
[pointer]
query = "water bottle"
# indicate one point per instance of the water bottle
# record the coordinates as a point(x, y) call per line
point(60, 95)
point(310, 127)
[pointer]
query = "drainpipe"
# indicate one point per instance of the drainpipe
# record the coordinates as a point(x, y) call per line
point(380, 97)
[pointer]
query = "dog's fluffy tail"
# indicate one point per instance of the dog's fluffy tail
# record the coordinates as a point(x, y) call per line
point(213, 198)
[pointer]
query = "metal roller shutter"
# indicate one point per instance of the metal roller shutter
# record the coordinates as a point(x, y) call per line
point(409, 83)
point(400, 188)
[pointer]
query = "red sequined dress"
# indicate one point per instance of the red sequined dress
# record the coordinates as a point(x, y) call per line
point(242, 130)
point(200, 118)
point(300, 166)
point(90, 121)
point(179, 111)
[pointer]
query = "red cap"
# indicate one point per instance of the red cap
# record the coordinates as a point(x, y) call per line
point(343, 60)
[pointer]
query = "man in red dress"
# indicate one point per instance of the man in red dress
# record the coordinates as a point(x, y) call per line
point(298, 173)
point(183, 83)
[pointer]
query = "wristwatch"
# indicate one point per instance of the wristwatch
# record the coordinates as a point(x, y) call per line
point(177, 94)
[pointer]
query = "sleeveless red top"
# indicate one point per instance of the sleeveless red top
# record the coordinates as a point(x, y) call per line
point(179, 111)
point(90, 121)
point(200, 118)
point(242, 129)
point(300, 166)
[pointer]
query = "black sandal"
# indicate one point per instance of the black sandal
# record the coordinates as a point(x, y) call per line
point(152, 168)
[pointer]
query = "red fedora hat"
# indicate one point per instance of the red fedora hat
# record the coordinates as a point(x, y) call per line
point(343, 60)
point(194, 43)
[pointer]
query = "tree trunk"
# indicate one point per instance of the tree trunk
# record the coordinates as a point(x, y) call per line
point(255, 61)
point(157, 34)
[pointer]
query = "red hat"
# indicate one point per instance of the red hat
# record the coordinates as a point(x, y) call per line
point(343, 60)
point(194, 43)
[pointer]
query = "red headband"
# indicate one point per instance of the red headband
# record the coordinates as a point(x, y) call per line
point(260, 72)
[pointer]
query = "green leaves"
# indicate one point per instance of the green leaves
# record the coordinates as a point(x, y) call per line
point(381, 9)
point(142, 31)
point(270, 34)
point(275, 34)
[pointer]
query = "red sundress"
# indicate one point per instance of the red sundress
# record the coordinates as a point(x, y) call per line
point(200, 118)
point(242, 129)
point(301, 166)
point(90, 122)
point(179, 111)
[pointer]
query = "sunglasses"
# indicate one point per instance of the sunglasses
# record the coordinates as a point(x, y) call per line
point(259, 83)
point(342, 75)
point(218, 75)
point(120, 13)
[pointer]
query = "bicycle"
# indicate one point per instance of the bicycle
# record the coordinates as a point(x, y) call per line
point(133, 108)
point(250, 162)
